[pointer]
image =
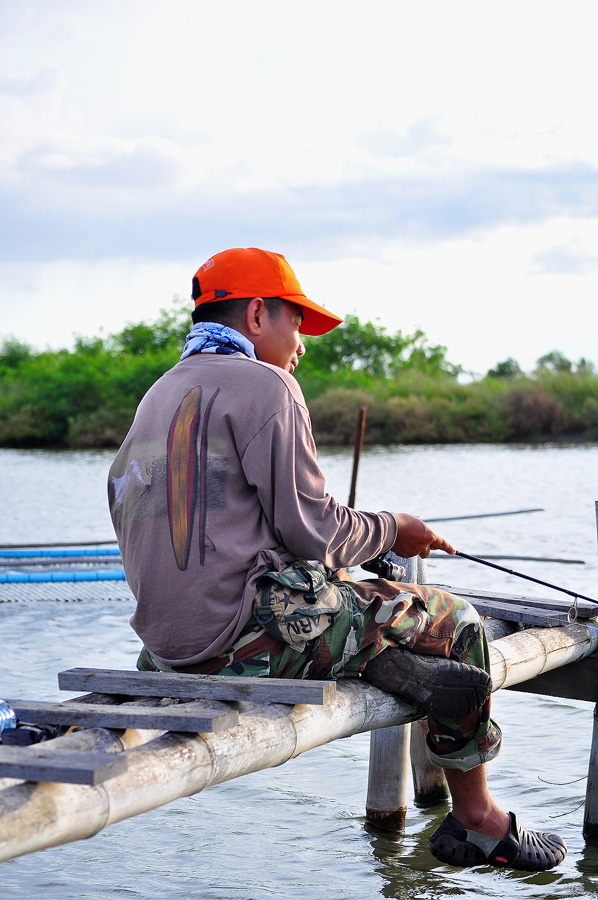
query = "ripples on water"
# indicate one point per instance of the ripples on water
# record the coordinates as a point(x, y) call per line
point(297, 831)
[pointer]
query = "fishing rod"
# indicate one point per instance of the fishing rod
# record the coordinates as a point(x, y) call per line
point(514, 512)
point(542, 559)
point(386, 565)
point(484, 562)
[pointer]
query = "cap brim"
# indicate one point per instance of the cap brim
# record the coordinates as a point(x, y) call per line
point(316, 319)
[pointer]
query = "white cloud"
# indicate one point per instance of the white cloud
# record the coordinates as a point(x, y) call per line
point(445, 150)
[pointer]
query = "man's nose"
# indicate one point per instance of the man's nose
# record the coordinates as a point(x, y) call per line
point(301, 349)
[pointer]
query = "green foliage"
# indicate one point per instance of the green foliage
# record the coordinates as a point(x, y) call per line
point(168, 332)
point(87, 397)
point(13, 354)
point(554, 362)
point(509, 368)
point(363, 356)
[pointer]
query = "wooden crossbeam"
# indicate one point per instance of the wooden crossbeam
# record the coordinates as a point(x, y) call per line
point(65, 766)
point(167, 718)
point(545, 612)
point(204, 687)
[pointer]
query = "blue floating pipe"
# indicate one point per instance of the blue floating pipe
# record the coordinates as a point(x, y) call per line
point(44, 577)
point(8, 717)
point(15, 554)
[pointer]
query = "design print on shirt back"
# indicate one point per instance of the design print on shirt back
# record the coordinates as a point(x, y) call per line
point(186, 454)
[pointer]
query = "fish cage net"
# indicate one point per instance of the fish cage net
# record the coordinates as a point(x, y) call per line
point(65, 591)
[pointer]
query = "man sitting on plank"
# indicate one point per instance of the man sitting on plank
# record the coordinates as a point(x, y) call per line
point(236, 554)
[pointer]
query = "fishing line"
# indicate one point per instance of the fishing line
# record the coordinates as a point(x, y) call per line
point(555, 587)
point(568, 812)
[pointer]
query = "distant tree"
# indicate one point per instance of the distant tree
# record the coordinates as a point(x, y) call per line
point(509, 368)
point(168, 330)
point(89, 346)
point(13, 353)
point(585, 367)
point(369, 349)
point(554, 361)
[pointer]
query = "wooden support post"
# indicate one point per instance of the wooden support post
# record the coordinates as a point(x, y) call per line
point(429, 782)
point(357, 453)
point(386, 804)
point(590, 822)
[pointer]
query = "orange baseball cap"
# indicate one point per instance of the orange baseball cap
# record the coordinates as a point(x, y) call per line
point(243, 273)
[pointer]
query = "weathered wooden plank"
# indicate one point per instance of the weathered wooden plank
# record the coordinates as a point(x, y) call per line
point(67, 767)
point(192, 687)
point(174, 765)
point(585, 609)
point(168, 718)
point(513, 612)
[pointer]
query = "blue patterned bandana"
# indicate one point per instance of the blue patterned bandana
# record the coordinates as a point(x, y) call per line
point(211, 337)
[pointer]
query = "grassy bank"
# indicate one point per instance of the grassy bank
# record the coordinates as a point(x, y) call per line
point(86, 397)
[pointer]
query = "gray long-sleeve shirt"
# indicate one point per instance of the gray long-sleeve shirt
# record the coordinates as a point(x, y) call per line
point(215, 484)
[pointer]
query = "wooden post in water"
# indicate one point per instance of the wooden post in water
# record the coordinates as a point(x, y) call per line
point(590, 822)
point(386, 803)
point(390, 748)
point(357, 453)
point(429, 783)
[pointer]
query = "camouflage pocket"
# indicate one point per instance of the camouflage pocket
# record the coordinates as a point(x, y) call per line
point(299, 603)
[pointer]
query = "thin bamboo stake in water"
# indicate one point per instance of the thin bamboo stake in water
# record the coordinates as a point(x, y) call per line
point(357, 453)
point(590, 822)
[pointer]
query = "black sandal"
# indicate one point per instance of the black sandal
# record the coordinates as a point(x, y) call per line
point(530, 851)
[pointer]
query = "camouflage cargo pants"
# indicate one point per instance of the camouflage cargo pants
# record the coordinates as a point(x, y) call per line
point(379, 614)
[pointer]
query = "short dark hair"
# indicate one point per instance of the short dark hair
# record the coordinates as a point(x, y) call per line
point(231, 312)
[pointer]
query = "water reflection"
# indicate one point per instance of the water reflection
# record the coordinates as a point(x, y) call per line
point(298, 831)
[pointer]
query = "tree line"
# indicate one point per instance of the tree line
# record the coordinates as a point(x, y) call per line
point(87, 396)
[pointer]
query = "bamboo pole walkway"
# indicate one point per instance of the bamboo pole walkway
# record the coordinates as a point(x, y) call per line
point(164, 765)
point(140, 740)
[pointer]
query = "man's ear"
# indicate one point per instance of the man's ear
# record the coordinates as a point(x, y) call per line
point(254, 316)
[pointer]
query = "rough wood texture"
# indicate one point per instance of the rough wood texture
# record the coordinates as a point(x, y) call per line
point(189, 687)
point(169, 766)
point(577, 681)
point(526, 654)
point(180, 717)
point(73, 767)
point(386, 803)
point(590, 822)
point(429, 783)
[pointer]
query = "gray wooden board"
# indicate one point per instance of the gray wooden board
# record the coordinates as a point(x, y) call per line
point(187, 686)
point(543, 611)
point(70, 766)
point(529, 615)
point(168, 718)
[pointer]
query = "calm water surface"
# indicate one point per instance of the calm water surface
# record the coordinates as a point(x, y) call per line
point(298, 831)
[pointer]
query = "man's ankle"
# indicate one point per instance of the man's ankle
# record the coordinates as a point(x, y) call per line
point(494, 822)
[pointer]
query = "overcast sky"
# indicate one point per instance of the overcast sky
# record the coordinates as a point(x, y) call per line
point(430, 164)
